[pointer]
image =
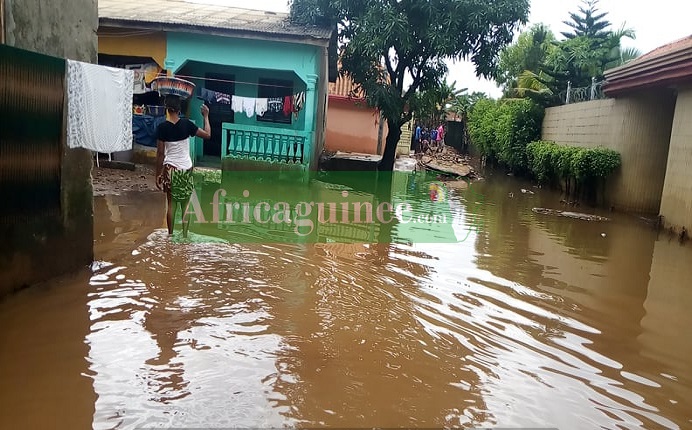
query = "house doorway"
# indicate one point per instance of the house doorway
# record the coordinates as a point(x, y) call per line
point(218, 113)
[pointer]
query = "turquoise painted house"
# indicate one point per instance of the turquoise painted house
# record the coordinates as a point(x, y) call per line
point(247, 55)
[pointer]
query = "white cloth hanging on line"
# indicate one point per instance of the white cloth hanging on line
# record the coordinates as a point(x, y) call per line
point(249, 106)
point(261, 106)
point(99, 107)
point(237, 104)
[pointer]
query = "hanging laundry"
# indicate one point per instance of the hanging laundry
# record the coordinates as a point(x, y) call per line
point(288, 105)
point(249, 106)
point(261, 106)
point(222, 98)
point(206, 95)
point(237, 104)
point(99, 107)
point(275, 104)
point(298, 102)
point(210, 96)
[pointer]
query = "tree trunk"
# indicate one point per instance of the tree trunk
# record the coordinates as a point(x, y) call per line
point(389, 155)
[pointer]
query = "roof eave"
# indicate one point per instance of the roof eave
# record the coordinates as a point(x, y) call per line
point(666, 69)
point(649, 64)
point(660, 78)
point(214, 31)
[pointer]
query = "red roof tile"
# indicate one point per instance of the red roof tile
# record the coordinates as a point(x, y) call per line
point(685, 42)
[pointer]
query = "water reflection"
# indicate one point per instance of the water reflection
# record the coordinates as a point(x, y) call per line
point(44, 377)
point(531, 321)
point(359, 356)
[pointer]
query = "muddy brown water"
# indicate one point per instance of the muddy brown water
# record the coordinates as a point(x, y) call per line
point(534, 321)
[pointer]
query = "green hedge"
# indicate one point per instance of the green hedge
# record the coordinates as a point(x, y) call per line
point(502, 129)
point(580, 167)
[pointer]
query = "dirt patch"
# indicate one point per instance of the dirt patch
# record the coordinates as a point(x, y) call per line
point(114, 181)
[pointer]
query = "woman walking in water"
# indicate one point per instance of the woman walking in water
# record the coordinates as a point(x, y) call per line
point(173, 161)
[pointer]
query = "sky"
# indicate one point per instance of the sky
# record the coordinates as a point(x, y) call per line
point(655, 23)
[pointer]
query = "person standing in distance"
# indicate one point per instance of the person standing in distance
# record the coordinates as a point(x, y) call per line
point(173, 161)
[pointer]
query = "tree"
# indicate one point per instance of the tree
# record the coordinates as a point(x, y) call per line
point(540, 67)
point(461, 107)
point(462, 104)
point(392, 49)
point(592, 47)
point(588, 22)
point(430, 105)
point(617, 55)
point(582, 58)
point(529, 52)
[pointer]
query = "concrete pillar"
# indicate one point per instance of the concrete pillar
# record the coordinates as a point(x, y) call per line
point(676, 201)
point(310, 110)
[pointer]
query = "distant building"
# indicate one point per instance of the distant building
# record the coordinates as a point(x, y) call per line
point(352, 126)
point(237, 52)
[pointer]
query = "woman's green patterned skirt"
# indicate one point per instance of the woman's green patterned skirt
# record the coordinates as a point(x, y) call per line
point(180, 183)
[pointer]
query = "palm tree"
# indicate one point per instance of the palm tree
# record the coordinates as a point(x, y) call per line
point(618, 56)
point(530, 83)
point(431, 105)
point(447, 94)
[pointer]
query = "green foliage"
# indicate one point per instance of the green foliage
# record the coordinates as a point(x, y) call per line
point(603, 162)
point(481, 125)
point(550, 162)
point(430, 105)
point(385, 45)
point(588, 22)
point(502, 129)
point(539, 67)
point(528, 53)
point(464, 103)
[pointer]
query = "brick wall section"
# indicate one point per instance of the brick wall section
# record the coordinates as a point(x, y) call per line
point(343, 87)
point(638, 127)
point(676, 202)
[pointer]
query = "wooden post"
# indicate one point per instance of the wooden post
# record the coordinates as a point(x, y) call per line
point(2, 22)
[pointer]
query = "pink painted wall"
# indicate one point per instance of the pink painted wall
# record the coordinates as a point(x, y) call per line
point(352, 126)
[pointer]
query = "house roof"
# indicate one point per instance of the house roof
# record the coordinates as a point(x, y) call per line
point(344, 87)
point(666, 65)
point(189, 16)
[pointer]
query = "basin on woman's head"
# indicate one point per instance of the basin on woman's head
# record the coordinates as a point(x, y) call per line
point(170, 86)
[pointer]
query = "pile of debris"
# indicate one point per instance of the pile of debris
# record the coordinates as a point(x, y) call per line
point(448, 162)
point(574, 215)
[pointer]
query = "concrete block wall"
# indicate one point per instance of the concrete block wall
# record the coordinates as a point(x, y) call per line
point(638, 127)
point(65, 29)
point(676, 202)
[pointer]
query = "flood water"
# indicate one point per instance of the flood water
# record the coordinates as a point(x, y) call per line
point(533, 321)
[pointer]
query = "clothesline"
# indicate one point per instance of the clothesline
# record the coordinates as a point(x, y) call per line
point(231, 81)
point(291, 104)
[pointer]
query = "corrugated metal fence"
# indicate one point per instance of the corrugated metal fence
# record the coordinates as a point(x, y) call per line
point(32, 116)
